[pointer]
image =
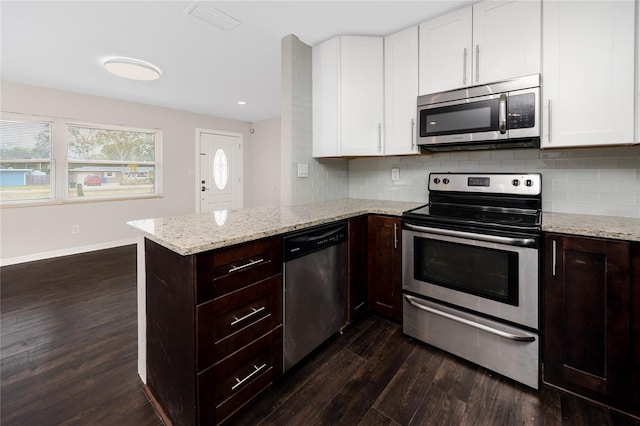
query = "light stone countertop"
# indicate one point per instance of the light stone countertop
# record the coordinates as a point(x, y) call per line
point(196, 233)
point(614, 227)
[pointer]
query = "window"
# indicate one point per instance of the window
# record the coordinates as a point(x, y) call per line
point(98, 162)
point(25, 161)
point(110, 162)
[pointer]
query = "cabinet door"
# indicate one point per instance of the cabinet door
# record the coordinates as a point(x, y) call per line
point(325, 70)
point(588, 73)
point(361, 93)
point(445, 52)
point(400, 92)
point(385, 266)
point(586, 320)
point(357, 268)
point(635, 325)
point(506, 40)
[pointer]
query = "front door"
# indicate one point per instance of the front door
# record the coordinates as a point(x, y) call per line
point(220, 183)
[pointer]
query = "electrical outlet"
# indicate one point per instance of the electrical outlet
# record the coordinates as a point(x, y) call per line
point(75, 229)
point(395, 173)
point(303, 170)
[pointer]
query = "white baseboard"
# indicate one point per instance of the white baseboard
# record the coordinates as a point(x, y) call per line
point(66, 252)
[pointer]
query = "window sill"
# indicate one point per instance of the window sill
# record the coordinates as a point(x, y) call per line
point(49, 203)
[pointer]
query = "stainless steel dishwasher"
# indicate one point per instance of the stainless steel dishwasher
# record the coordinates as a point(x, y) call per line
point(315, 286)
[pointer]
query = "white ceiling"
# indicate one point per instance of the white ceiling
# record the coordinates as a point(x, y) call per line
point(61, 45)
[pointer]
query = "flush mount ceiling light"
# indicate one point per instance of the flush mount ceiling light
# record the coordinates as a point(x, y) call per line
point(212, 16)
point(242, 102)
point(133, 69)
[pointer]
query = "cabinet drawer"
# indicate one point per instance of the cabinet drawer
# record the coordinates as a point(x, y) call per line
point(234, 381)
point(227, 323)
point(226, 270)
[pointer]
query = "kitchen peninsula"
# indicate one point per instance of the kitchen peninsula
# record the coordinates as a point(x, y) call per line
point(210, 302)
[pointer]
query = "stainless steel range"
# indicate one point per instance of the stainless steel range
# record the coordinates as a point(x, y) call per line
point(471, 270)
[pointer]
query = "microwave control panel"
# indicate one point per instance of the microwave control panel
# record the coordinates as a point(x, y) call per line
point(522, 111)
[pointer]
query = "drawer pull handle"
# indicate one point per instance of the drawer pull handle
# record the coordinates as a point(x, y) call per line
point(253, 373)
point(246, 265)
point(249, 315)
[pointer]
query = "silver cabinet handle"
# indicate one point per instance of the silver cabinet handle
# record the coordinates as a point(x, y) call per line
point(249, 315)
point(246, 265)
point(509, 336)
point(464, 67)
point(413, 133)
point(395, 235)
point(379, 137)
point(477, 62)
point(253, 373)
point(522, 242)
point(553, 255)
point(549, 121)
point(502, 114)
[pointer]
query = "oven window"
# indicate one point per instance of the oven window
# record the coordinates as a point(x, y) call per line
point(482, 271)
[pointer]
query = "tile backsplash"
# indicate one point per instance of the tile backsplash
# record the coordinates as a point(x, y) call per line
point(598, 181)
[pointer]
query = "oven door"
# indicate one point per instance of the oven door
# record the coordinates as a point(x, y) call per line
point(491, 275)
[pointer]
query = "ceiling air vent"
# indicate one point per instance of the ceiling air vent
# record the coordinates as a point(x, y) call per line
point(212, 16)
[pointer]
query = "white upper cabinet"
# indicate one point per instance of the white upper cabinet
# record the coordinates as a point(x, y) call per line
point(588, 73)
point(400, 92)
point(325, 70)
point(445, 52)
point(506, 40)
point(484, 43)
point(347, 81)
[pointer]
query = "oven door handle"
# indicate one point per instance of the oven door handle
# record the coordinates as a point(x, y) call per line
point(509, 336)
point(522, 242)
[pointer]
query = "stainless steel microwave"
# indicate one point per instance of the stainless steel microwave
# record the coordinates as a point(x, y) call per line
point(489, 116)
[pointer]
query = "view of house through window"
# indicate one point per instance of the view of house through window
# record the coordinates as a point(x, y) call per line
point(25, 161)
point(107, 162)
point(100, 161)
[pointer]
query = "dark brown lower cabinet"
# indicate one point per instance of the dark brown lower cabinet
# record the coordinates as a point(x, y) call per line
point(357, 305)
point(214, 328)
point(587, 313)
point(635, 326)
point(385, 266)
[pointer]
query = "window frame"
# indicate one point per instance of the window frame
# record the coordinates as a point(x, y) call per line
point(59, 177)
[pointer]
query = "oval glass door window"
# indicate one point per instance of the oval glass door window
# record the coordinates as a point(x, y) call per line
point(220, 169)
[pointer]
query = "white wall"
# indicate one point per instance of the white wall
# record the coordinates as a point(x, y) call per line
point(265, 162)
point(328, 178)
point(29, 233)
point(599, 181)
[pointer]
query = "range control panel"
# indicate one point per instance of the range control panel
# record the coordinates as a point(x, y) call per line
point(498, 183)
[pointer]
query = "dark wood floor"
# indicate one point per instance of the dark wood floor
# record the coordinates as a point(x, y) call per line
point(68, 356)
point(69, 342)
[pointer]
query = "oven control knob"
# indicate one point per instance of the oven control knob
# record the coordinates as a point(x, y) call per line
point(529, 182)
point(445, 181)
point(515, 182)
point(436, 181)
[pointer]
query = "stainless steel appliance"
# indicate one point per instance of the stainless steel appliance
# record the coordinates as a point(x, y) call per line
point(315, 285)
point(499, 115)
point(471, 270)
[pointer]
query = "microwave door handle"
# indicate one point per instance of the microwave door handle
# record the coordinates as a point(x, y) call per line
point(502, 114)
point(521, 242)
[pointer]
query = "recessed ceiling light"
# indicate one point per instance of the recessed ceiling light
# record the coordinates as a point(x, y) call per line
point(242, 102)
point(133, 69)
